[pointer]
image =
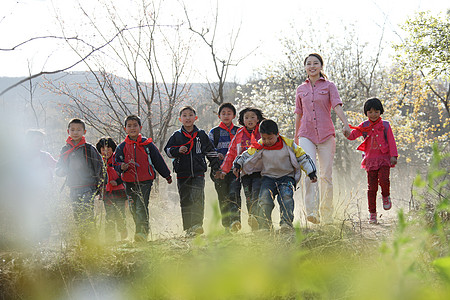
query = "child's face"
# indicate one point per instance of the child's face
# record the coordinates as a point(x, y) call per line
point(132, 128)
point(373, 114)
point(250, 120)
point(226, 115)
point(187, 118)
point(76, 131)
point(106, 152)
point(269, 139)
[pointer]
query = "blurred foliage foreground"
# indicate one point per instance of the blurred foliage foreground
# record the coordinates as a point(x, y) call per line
point(332, 262)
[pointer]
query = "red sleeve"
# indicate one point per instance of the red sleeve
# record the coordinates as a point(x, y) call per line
point(354, 135)
point(231, 155)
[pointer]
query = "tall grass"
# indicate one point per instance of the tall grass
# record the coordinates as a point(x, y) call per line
point(330, 262)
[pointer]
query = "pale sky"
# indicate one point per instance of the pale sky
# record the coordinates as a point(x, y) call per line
point(262, 22)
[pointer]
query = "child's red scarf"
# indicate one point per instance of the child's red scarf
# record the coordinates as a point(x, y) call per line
point(367, 129)
point(253, 134)
point(138, 142)
point(277, 146)
point(191, 138)
point(223, 126)
point(69, 141)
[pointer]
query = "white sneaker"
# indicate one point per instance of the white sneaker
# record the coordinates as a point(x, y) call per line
point(313, 219)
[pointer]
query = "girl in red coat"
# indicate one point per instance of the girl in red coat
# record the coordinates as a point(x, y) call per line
point(380, 154)
point(114, 196)
point(249, 118)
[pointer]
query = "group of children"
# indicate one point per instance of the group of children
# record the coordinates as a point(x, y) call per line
point(254, 156)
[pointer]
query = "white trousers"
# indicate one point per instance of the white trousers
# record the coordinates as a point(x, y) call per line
point(325, 154)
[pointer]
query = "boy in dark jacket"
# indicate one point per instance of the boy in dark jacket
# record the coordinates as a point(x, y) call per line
point(81, 164)
point(188, 147)
point(137, 158)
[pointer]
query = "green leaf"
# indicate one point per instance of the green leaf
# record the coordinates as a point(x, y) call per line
point(442, 265)
point(419, 182)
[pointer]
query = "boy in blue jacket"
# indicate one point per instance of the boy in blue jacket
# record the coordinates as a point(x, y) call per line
point(137, 158)
point(188, 147)
point(228, 189)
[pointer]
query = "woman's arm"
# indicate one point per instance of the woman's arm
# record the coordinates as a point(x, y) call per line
point(340, 113)
point(298, 118)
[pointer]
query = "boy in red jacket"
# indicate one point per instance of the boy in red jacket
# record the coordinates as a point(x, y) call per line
point(137, 158)
point(113, 191)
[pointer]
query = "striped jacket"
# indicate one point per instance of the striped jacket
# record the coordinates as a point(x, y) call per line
point(250, 160)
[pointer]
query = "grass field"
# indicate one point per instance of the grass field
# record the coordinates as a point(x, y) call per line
point(407, 256)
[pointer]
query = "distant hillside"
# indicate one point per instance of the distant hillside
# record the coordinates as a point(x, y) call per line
point(21, 93)
point(46, 110)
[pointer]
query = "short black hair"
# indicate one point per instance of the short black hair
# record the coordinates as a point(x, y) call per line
point(258, 113)
point(106, 142)
point(77, 121)
point(373, 103)
point(132, 117)
point(268, 126)
point(187, 107)
point(227, 105)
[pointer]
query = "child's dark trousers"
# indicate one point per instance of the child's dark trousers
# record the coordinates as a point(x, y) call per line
point(139, 192)
point(192, 200)
point(229, 194)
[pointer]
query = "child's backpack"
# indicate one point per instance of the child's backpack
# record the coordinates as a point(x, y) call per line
point(216, 136)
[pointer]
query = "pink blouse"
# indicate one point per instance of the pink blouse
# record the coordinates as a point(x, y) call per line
point(314, 105)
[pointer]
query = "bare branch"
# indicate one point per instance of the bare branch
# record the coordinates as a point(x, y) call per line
point(40, 38)
point(82, 59)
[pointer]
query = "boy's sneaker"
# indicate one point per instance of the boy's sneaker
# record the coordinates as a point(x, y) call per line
point(235, 226)
point(387, 204)
point(373, 218)
point(286, 228)
point(140, 237)
point(253, 223)
point(313, 219)
point(194, 231)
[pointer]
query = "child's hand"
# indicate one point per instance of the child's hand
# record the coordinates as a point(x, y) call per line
point(312, 176)
point(124, 166)
point(393, 161)
point(347, 131)
point(183, 149)
point(218, 174)
point(220, 156)
point(113, 183)
point(169, 179)
point(236, 172)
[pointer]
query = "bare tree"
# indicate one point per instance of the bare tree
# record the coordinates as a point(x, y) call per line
point(221, 61)
point(94, 49)
point(153, 63)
